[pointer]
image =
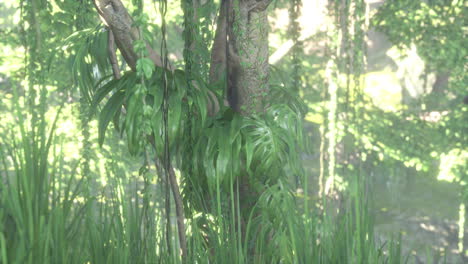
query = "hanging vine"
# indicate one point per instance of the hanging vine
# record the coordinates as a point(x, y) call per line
point(361, 25)
point(190, 27)
point(169, 172)
point(297, 49)
point(85, 152)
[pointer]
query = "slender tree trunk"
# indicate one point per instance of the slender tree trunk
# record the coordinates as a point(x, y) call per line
point(240, 58)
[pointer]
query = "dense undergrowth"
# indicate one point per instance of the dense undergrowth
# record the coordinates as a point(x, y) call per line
point(50, 214)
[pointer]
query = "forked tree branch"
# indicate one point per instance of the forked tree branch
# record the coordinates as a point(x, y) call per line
point(116, 17)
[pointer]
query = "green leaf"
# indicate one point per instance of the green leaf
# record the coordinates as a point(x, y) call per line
point(156, 122)
point(147, 35)
point(145, 66)
point(113, 105)
point(249, 148)
point(116, 120)
point(224, 155)
point(175, 115)
point(180, 80)
point(127, 80)
point(139, 46)
point(103, 92)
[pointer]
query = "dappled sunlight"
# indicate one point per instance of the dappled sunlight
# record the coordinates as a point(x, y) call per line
point(451, 161)
point(461, 227)
point(416, 230)
point(410, 71)
point(384, 89)
point(425, 209)
point(15, 58)
point(66, 127)
point(335, 183)
point(388, 88)
point(433, 116)
point(391, 89)
point(310, 23)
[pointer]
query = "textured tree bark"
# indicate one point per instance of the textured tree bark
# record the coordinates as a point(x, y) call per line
point(248, 53)
point(113, 56)
point(116, 17)
point(241, 51)
point(218, 51)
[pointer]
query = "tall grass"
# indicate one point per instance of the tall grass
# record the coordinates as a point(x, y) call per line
point(48, 215)
point(39, 220)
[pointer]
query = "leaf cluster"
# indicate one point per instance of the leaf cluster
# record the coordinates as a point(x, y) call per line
point(436, 27)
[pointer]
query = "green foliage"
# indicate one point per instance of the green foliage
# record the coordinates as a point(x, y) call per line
point(37, 219)
point(89, 62)
point(436, 27)
point(53, 214)
point(146, 66)
point(262, 147)
point(143, 104)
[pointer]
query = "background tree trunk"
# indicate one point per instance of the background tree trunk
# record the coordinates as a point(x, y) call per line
point(247, 55)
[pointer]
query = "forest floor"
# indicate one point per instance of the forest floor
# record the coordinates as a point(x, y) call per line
point(426, 213)
point(423, 210)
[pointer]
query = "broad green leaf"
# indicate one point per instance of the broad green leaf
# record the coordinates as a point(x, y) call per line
point(113, 105)
point(202, 107)
point(224, 154)
point(127, 80)
point(139, 46)
point(180, 80)
point(156, 122)
point(145, 66)
point(249, 149)
point(175, 115)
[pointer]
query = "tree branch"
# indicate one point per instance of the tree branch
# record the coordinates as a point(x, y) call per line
point(115, 16)
point(112, 55)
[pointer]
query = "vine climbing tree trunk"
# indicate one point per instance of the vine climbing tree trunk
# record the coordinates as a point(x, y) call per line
point(240, 54)
point(239, 57)
point(241, 51)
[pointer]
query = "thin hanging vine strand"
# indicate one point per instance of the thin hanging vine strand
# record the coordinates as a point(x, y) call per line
point(166, 155)
point(169, 173)
point(295, 32)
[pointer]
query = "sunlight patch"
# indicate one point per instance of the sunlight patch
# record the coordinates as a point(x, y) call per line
point(449, 164)
point(384, 89)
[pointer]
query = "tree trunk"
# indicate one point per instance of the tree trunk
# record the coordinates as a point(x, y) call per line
point(248, 56)
point(240, 51)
